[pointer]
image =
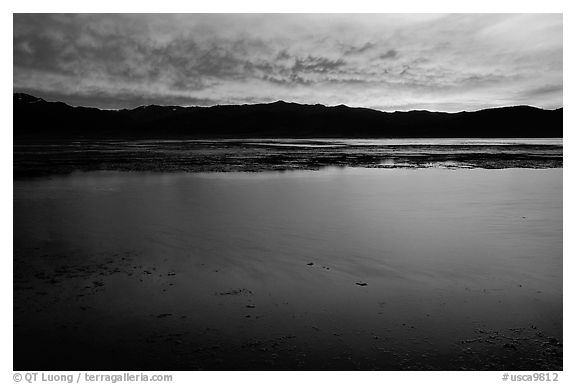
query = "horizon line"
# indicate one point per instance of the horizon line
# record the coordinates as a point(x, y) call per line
point(286, 102)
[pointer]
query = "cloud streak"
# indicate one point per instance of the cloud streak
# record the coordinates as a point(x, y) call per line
point(389, 62)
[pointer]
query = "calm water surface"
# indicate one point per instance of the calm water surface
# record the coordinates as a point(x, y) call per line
point(260, 271)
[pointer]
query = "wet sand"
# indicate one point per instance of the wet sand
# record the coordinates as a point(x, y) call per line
point(50, 157)
point(342, 268)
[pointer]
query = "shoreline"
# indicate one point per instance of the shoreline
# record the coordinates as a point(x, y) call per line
point(33, 159)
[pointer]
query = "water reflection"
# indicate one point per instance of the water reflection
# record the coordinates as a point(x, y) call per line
point(240, 271)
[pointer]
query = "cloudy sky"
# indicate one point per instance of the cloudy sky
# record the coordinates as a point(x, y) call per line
point(383, 61)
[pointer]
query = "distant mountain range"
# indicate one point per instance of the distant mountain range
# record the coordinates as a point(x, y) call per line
point(35, 117)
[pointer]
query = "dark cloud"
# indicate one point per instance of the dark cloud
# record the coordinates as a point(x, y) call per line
point(385, 60)
point(390, 54)
point(102, 99)
point(361, 49)
point(316, 64)
point(544, 91)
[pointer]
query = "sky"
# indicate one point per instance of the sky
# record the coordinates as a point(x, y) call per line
point(437, 62)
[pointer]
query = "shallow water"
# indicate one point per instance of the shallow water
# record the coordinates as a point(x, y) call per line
point(260, 270)
point(50, 157)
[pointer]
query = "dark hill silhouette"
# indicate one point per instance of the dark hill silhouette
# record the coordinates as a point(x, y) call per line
point(38, 118)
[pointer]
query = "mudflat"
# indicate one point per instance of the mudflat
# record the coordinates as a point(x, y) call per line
point(41, 157)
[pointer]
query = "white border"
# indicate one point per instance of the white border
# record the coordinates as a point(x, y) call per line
point(257, 6)
point(292, 6)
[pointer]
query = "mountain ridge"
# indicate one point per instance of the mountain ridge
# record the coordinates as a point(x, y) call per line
point(36, 117)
